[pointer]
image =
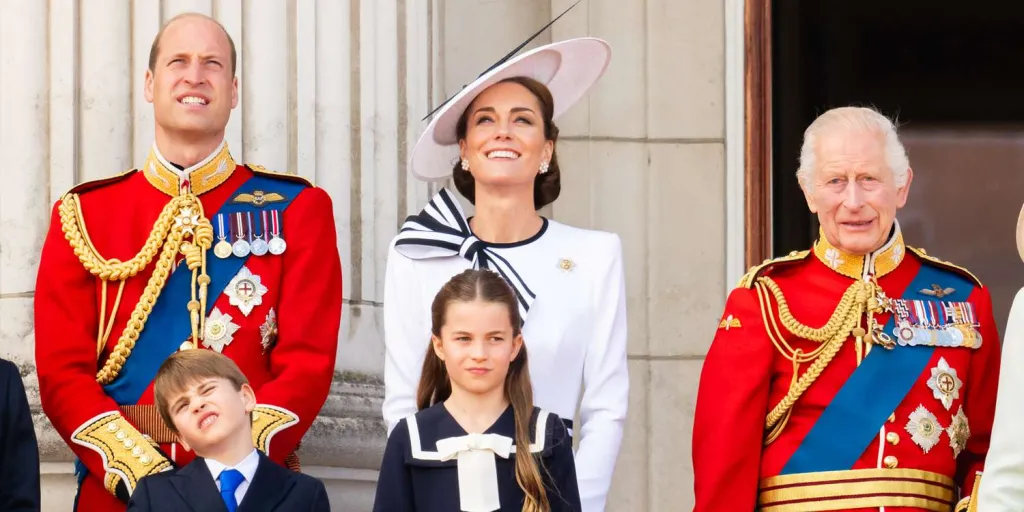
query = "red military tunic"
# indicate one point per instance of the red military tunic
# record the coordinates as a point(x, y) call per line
point(285, 345)
point(745, 376)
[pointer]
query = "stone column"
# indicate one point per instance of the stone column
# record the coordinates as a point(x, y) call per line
point(332, 90)
point(644, 158)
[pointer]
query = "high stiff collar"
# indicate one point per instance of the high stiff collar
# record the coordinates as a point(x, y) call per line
point(878, 263)
point(198, 179)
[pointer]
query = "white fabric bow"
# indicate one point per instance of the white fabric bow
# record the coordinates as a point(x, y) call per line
point(478, 474)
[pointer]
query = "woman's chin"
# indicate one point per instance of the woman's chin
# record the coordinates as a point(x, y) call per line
point(504, 177)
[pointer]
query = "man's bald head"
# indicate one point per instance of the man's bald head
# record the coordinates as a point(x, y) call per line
point(154, 50)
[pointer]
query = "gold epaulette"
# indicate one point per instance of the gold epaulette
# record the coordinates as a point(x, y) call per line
point(259, 169)
point(946, 265)
point(268, 420)
point(747, 281)
point(94, 184)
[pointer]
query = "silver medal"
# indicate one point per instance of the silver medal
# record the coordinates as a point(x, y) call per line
point(260, 247)
point(277, 246)
point(259, 241)
point(240, 248)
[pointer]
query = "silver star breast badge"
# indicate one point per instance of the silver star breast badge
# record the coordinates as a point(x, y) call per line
point(924, 428)
point(959, 432)
point(944, 383)
point(245, 291)
point(268, 331)
point(219, 331)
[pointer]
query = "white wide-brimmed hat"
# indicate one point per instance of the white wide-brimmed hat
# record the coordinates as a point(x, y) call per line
point(1020, 234)
point(568, 69)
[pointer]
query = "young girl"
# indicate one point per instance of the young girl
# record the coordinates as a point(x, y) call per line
point(477, 443)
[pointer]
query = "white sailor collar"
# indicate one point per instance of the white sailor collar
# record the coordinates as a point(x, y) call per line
point(433, 428)
point(437, 440)
point(442, 230)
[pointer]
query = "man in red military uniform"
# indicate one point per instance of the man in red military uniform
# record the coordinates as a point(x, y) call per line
point(193, 250)
point(859, 375)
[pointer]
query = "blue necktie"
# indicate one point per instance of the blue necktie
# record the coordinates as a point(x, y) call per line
point(229, 481)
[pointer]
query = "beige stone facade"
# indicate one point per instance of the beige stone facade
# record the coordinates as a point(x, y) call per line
point(335, 90)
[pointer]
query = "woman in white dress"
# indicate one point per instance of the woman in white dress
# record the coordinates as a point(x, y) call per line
point(497, 140)
point(1001, 486)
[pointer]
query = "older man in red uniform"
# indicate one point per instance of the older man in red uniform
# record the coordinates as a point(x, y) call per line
point(193, 250)
point(859, 375)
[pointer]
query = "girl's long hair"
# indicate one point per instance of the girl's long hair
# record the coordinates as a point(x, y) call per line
point(435, 384)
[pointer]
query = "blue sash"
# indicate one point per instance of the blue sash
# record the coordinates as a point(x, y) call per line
point(855, 415)
point(169, 324)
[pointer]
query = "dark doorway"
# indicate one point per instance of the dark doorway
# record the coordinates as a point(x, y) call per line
point(954, 77)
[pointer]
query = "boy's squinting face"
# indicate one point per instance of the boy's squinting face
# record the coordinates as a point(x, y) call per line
point(209, 411)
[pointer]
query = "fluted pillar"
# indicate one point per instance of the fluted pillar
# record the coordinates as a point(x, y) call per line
point(332, 90)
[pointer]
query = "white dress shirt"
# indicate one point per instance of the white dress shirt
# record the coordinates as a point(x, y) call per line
point(575, 333)
point(247, 468)
point(1002, 483)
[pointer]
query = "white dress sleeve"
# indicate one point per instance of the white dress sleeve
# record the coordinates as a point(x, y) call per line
point(1002, 482)
point(606, 384)
point(406, 337)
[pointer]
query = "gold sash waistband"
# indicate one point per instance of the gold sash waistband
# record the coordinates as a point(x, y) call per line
point(857, 488)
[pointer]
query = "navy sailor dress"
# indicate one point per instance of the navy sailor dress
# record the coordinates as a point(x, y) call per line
point(431, 464)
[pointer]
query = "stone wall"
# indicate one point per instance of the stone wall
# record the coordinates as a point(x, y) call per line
point(334, 90)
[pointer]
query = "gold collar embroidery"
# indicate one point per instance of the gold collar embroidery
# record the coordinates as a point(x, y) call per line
point(878, 263)
point(202, 177)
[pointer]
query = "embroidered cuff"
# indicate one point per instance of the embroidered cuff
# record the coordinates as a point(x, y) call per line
point(268, 420)
point(127, 455)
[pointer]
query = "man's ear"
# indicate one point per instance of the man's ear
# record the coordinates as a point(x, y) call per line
point(147, 89)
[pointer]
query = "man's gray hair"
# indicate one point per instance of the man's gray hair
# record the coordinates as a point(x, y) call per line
point(853, 119)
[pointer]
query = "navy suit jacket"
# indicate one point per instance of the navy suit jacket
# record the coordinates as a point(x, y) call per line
point(19, 453)
point(192, 488)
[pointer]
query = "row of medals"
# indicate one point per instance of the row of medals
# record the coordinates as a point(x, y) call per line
point(245, 240)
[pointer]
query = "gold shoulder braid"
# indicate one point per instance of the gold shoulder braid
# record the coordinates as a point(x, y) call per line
point(862, 297)
point(946, 265)
point(182, 218)
point(259, 169)
point(747, 281)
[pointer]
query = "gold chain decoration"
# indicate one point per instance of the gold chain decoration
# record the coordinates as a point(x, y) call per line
point(182, 217)
point(860, 298)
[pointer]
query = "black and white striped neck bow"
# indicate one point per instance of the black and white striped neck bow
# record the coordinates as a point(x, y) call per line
point(441, 230)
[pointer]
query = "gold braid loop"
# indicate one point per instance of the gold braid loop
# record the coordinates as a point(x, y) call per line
point(204, 233)
point(112, 269)
point(140, 314)
point(855, 293)
point(167, 238)
point(193, 255)
point(847, 317)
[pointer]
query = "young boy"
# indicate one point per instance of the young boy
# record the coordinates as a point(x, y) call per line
point(203, 397)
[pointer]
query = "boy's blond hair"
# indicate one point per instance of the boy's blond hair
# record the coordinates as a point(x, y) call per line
point(183, 369)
